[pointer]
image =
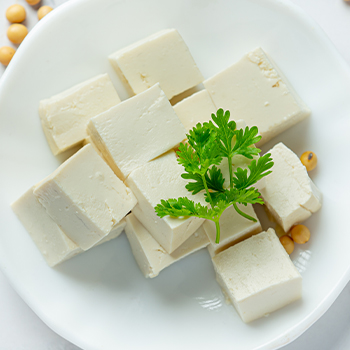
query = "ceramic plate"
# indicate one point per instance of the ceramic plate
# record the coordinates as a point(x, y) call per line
point(100, 300)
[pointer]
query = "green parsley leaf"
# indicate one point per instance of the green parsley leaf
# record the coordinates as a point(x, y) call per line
point(213, 177)
point(245, 139)
point(182, 207)
point(201, 152)
point(189, 159)
point(257, 170)
point(243, 196)
point(177, 207)
point(225, 131)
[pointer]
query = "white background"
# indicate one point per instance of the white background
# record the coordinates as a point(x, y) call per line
point(21, 329)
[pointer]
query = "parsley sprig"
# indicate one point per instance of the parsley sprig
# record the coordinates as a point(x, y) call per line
point(208, 145)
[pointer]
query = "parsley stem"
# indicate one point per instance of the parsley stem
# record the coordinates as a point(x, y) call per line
point(217, 225)
point(217, 218)
point(242, 213)
point(207, 191)
point(229, 157)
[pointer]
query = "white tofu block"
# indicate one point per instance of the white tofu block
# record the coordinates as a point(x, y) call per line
point(258, 276)
point(234, 228)
point(288, 192)
point(114, 233)
point(150, 255)
point(88, 141)
point(64, 116)
point(137, 131)
point(253, 89)
point(161, 58)
point(51, 241)
point(195, 109)
point(161, 179)
point(85, 198)
point(53, 244)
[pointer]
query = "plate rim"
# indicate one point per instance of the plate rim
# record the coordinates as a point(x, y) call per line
point(278, 342)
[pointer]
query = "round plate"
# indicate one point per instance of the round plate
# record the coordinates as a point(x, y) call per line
point(100, 300)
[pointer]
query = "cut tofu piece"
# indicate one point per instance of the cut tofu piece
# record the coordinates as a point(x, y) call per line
point(64, 116)
point(114, 233)
point(194, 109)
point(53, 244)
point(253, 89)
point(288, 192)
point(157, 180)
point(136, 131)
point(234, 228)
point(88, 141)
point(51, 241)
point(150, 255)
point(161, 58)
point(85, 198)
point(258, 276)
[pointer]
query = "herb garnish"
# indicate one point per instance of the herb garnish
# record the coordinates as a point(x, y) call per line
point(208, 144)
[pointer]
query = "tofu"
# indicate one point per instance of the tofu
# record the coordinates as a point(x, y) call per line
point(114, 233)
point(162, 58)
point(258, 276)
point(157, 180)
point(88, 141)
point(150, 255)
point(64, 116)
point(136, 131)
point(253, 89)
point(51, 241)
point(85, 198)
point(288, 192)
point(234, 228)
point(195, 109)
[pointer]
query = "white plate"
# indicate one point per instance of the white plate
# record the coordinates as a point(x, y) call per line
point(100, 300)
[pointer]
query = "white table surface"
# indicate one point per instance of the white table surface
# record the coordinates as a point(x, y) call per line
point(21, 329)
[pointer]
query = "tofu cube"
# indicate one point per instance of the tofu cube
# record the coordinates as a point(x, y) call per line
point(136, 131)
point(253, 89)
point(288, 192)
point(85, 198)
point(64, 116)
point(195, 109)
point(234, 228)
point(150, 255)
point(114, 233)
point(258, 276)
point(88, 141)
point(51, 241)
point(162, 58)
point(161, 179)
